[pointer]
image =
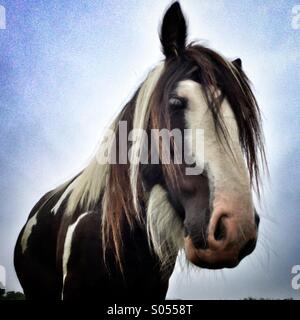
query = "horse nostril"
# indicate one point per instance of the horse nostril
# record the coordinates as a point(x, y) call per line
point(220, 231)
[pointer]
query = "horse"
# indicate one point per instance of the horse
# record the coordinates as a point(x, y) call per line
point(115, 229)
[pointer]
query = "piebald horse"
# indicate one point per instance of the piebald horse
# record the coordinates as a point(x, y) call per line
point(115, 229)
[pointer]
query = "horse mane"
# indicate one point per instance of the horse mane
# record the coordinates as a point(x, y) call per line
point(117, 188)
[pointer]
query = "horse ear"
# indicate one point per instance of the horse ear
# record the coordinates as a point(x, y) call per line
point(173, 31)
point(237, 63)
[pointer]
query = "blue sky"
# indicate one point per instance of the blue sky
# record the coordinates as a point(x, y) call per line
point(66, 69)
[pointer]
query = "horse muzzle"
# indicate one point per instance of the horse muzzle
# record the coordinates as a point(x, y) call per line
point(227, 243)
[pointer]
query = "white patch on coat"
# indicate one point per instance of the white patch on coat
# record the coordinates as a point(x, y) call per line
point(33, 220)
point(68, 246)
point(27, 231)
point(164, 227)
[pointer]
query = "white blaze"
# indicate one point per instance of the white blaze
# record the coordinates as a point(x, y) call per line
point(228, 175)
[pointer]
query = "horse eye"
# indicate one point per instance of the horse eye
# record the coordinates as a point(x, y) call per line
point(177, 103)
